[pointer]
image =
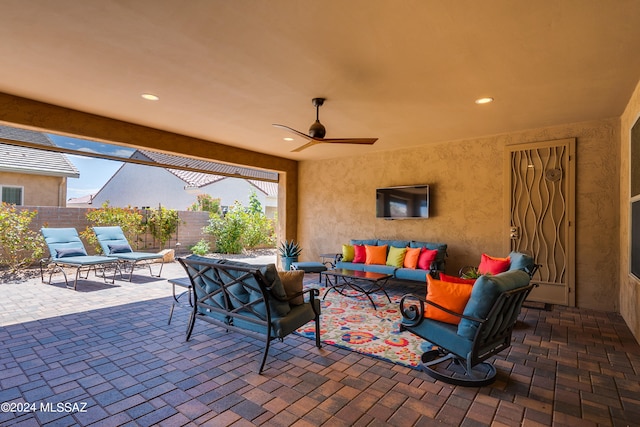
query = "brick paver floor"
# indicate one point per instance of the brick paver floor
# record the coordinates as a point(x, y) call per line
point(105, 356)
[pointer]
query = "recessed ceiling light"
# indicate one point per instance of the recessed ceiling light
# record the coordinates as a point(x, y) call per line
point(484, 100)
point(150, 97)
point(288, 139)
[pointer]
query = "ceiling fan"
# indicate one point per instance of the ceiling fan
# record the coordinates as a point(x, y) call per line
point(317, 132)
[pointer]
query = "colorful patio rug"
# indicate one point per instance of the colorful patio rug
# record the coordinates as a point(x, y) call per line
point(353, 324)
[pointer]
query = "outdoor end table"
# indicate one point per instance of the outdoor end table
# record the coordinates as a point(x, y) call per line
point(363, 282)
point(330, 258)
point(182, 282)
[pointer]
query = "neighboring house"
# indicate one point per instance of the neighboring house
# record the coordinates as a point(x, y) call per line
point(150, 186)
point(33, 177)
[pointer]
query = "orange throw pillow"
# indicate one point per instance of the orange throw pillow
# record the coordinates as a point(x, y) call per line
point(452, 296)
point(427, 256)
point(376, 254)
point(493, 265)
point(454, 279)
point(411, 258)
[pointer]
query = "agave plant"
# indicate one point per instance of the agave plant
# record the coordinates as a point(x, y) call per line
point(289, 249)
point(470, 273)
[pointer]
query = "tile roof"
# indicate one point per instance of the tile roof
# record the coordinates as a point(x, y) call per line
point(202, 179)
point(208, 166)
point(18, 159)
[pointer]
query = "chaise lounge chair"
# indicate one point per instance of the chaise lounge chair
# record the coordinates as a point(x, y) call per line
point(67, 250)
point(114, 244)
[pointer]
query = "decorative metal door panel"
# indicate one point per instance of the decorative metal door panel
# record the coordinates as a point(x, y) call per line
point(540, 212)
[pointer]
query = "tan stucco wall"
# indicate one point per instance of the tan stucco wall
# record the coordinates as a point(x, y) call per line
point(39, 190)
point(337, 201)
point(629, 287)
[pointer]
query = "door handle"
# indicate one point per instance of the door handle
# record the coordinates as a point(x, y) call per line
point(514, 232)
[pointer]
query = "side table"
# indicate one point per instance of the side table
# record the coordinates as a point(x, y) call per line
point(330, 258)
point(182, 282)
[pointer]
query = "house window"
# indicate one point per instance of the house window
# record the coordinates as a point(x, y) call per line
point(12, 195)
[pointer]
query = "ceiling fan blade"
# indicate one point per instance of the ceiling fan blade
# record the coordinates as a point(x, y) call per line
point(307, 145)
point(368, 141)
point(288, 129)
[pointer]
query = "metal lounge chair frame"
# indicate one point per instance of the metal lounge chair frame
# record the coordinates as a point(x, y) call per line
point(113, 237)
point(61, 240)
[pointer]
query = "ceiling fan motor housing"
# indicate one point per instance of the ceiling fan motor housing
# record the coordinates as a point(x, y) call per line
point(317, 130)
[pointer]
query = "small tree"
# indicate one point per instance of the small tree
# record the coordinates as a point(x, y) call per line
point(205, 203)
point(19, 245)
point(129, 219)
point(259, 229)
point(228, 229)
point(162, 224)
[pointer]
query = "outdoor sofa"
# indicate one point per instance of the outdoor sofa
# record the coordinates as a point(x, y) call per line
point(398, 271)
point(253, 300)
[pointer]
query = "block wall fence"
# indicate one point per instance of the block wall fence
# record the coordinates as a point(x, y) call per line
point(189, 231)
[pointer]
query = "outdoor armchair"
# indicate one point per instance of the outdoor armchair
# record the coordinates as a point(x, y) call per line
point(67, 250)
point(114, 244)
point(484, 328)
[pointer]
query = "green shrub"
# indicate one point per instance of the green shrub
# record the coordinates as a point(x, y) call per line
point(241, 228)
point(228, 229)
point(259, 229)
point(19, 245)
point(201, 248)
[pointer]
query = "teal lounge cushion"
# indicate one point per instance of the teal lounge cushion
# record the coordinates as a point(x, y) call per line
point(484, 294)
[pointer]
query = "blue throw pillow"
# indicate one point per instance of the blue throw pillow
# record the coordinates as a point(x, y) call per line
point(69, 252)
point(119, 249)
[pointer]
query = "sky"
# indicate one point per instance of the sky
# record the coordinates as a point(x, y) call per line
point(94, 173)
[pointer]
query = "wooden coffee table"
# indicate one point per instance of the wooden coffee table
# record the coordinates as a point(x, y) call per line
point(363, 282)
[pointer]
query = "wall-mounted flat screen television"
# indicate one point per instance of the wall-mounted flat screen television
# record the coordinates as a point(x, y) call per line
point(406, 202)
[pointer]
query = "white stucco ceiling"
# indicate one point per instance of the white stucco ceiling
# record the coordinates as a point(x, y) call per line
point(407, 72)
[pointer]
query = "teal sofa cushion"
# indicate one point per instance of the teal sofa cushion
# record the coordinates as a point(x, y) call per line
point(383, 269)
point(396, 243)
point(281, 325)
point(351, 266)
point(370, 242)
point(441, 247)
point(484, 294)
point(412, 274)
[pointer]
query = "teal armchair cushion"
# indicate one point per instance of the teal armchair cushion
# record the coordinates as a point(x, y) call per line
point(485, 293)
point(520, 261)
